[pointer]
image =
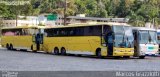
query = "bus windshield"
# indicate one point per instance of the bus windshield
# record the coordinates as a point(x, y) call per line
point(147, 37)
point(123, 36)
point(128, 33)
point(144, 37)
point(152, 36)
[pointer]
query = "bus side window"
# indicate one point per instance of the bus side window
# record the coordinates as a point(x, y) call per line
point(56, 32)
point(62, 32)
point(79, 31)
point(17, 33)
point(90, 30)
point(31, 31)
point(71, 32)
point(24, 32)
point(107, 29)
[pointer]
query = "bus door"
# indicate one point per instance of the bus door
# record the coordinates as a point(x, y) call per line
point(38, 40)
point(110, 44)
point(136, 43)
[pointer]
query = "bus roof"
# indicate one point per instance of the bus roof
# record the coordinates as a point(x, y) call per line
point(158, 30)
point(17, 27)
point(143, 28)
point(91, 24)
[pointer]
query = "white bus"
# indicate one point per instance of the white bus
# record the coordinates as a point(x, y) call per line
point(158, 38)
point(145, 41)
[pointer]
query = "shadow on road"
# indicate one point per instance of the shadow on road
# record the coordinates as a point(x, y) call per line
point(81, 56)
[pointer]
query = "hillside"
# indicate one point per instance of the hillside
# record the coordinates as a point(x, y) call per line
point(139, 11)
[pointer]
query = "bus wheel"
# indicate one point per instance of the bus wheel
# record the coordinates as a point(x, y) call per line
point(98, 53)
point(56, 51)
point(63, 51)
point(7, 46)
point(117, 57)
point(32, 49)
point(141, 57)
point(126, 57)
point(11, 47)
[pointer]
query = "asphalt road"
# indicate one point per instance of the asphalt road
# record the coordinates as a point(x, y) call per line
point(28, 61)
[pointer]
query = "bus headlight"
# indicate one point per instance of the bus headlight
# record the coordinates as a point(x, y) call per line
point(132, 50)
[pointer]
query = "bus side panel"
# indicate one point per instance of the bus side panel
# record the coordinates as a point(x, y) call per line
point(79, 45)
point(51, 42)
point(85, 45)
point(6, 40)
point(21, 42)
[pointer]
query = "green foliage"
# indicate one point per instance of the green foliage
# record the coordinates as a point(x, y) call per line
point(139, 11)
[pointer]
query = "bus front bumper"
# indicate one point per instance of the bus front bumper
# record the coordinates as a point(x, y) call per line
point(123, 52)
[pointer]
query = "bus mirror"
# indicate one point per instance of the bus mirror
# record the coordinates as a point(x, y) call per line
point(33, 38)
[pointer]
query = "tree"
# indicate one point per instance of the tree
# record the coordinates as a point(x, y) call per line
point(5, 12)
point(139, 11)
point(101, 11)
point(124, 8)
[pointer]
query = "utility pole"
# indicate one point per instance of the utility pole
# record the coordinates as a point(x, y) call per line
point(153, 23)
point(17, 12)
point(65, 8)
point(16, 15)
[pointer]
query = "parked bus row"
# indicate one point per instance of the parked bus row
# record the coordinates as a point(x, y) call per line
point(99, 39)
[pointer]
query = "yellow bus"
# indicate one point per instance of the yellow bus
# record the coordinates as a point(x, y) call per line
point(22, 37)
point(100, 39)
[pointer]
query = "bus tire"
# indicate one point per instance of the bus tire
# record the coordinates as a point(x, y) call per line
point(7, 46)
point(63, 51)
point(141, 57)
point(11, 47)
point(56, 51)
point(127, 57)
point(98, 53)
point(117, 57)
point(32, 49)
